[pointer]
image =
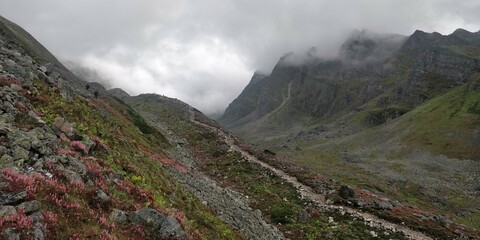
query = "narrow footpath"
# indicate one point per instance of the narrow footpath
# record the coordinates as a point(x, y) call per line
point(308, 193)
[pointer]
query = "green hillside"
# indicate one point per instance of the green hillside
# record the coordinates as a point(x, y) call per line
point(448, 124)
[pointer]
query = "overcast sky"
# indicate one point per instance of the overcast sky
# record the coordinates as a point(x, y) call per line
point(205, 51)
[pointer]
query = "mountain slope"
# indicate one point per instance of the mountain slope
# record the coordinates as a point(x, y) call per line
point(77, 163)
point(427, 157)
point(449, 124)
point(405, 126)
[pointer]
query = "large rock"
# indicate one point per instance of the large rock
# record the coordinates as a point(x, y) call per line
point(102, 196)
point(29, 207)
point(172, 229)
point(5, 128)
point(162, 226)
point(20, 154)
point(7, 210)
point(47, 68)
point(11, 234)
point(148, 217)
point(6, 161)
point(76, 166)
point(118, 216)
point(39, 227)
point(9, 198)
point(346, 192)
point(62, 126)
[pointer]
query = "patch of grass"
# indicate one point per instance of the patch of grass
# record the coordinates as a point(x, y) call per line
point(471, 220)
point(283, 213)
point(445, 125)
point(470, 51)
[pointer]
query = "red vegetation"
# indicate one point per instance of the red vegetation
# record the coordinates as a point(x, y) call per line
point(104, 222)
point(78, 146)
point(179, 216)
point(105, 235)
point(98, 142)
point(365, 195)
point(21, 107)
point(19, 221)
point(7, 80)
point(62, 202)
point(78, 185)
point(169, 162)
point(95, 172)
point(138, 230)
point(50, 218)
point(66, 152)
point(139, 193)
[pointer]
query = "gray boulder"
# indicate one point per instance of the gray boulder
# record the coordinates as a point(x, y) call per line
point(118, 216)
point(172, 229)
point(29, 207)
point(148, 217)
point(102, 196)
point(11, 234)
point(77, 166)
point(162, 226)
point(7, 210)
point(20, 153)
point(6, 161)
point(346, 192)
point(9, 198)
point(47, 68)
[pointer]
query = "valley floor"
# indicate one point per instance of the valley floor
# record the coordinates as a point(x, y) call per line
point(309, 193)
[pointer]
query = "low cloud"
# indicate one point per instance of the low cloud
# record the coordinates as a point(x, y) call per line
point(204, 73)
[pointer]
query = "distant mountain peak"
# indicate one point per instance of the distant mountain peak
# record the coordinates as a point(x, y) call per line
point(466, 35)
point(461, 31)
point(118, 93)
point(257, 76)
point(366, 46)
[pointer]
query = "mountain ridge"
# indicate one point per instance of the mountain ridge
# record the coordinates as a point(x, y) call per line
point(400, 120)
point(379, 77)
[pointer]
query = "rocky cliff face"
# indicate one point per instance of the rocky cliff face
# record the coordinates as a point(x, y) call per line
point(245, 105)
point(373, 72)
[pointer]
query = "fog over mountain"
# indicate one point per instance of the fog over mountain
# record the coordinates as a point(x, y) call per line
point(204, 52)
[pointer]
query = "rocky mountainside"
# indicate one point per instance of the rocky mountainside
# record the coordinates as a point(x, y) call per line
point(76, 163)
point(80, 162)
point(383, 76)
point(396, 115)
